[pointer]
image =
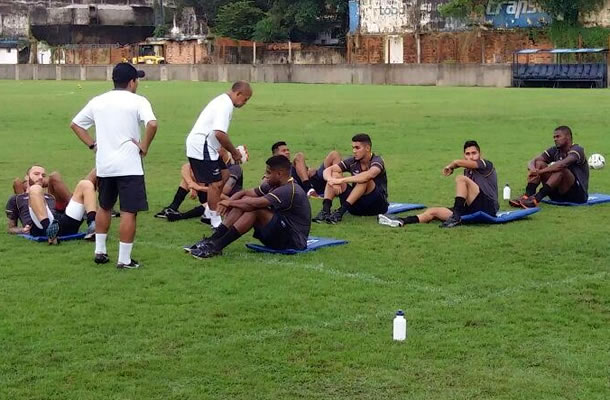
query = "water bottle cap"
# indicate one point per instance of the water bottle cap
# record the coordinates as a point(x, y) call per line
point(400, 313)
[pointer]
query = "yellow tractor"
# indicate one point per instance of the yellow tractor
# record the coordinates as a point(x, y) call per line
point(150, 53)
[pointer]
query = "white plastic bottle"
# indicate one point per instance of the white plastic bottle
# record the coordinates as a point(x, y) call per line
point(400, 326)
point(506, 192)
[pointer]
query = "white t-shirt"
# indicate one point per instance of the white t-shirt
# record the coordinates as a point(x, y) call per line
point(216, 116)
point(117, 116)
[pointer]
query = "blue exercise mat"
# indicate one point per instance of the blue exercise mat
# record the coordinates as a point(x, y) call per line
point(397, 208)
point(76, 236)
point(501, 217)
point(595, 198)
point(313, 243)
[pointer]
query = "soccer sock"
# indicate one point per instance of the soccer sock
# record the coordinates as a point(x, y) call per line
point(195, 212)
point(178, 198)
point(326, 205)
point(546, 189)
point(90, 217)
point(411, 219)
point(307, 185)
point(100, 243)
point(344, 207)
point(459, 205)
point(215, 219)
point(125, 253)
point(45, 223)
point(220, 232)
point(530, 189)
point(228, 238)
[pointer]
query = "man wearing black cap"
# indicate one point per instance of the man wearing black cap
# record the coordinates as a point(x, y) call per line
point(119, 149)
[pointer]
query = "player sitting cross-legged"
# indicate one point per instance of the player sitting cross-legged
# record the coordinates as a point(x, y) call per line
point(476, 190)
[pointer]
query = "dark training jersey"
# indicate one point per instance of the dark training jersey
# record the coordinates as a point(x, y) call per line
point(580, 168)
point(292, 204)
point(486, 178)
point(17, 208)
point(353, 166)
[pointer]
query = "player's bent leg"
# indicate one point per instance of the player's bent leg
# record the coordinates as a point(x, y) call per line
point(18, 186)
point(334, 157)
point(59, 189)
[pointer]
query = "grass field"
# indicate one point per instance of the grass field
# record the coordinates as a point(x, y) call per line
point(520, 311)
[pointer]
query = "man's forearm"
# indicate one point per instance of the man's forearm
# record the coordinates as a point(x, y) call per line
point(82, 134)
point(225, 142)
point(151, 131)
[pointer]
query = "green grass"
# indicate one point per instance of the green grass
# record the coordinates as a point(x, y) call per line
point(520, 311)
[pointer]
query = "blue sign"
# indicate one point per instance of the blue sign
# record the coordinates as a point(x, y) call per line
point(516, 14)
point(354, 16)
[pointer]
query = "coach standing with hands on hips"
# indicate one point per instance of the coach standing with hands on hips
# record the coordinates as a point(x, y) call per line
point(208, 135)
point(119, 149)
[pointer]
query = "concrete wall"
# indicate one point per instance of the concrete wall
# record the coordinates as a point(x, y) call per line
point(379, 74)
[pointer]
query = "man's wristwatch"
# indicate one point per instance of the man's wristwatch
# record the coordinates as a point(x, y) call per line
point(92, 146)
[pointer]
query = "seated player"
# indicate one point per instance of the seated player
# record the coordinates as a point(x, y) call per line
point(278, 210)
point(310, 179)
point(36, 209)
point(233, 184)
point(364, 192)
point(476, 190)
point(562, 170)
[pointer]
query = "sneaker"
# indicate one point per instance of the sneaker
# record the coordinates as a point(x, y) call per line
point(132, 265)
point(517, 202)
point(52, 232)
point(206, 251)
point(387, 221)
point(452, 222)
point(199, 244)
point(101, 258)
point(321, 217)
point(163, 213)
point(335, 217)
point(172, 215)
point(90, 235)
point(312, 194)
point(529, 202)
point(115, 213)
point(205, 220)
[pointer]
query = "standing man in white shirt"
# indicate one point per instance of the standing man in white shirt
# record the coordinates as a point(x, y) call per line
point(208, 135)
point(117, 115)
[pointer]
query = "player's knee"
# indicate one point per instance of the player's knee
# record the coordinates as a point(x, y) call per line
point(461, 178)
point(85, 185)
point(36, 190)
point(299, 158)
point(54, 177)
point(540, 164)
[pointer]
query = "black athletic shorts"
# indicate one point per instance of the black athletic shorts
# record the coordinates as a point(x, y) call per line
point(67, 226)
point(576, 194)
point(130, 190)
point(373, 203)
point(317, 181)
point(207, 171)
point(276, 234)
point(481, 203)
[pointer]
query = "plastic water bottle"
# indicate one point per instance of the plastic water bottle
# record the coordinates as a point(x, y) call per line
point(400, 326)
point(506, 192)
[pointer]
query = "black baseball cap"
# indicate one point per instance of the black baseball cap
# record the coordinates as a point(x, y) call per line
point(125, 72)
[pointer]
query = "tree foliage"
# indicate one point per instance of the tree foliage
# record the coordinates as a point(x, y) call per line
point(238, 19)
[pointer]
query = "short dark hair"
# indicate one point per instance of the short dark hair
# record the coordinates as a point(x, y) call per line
point(279, 162)
point(27, 173)
point(240, 86)
point(362, 138)
point(565, 130)
point(276, 145)
point(121, 85)
point(472, 143)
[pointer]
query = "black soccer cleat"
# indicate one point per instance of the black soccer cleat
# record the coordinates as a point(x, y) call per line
point(321, 217)
point(335, 217)
point(163, 213)
point(203, 242)
point(132, 265)
point(101, 258)
point(52, 232)
point(452, 222)
point(206, 251)
point(173, 216)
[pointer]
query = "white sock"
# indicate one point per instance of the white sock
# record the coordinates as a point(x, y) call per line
point(215, 219)
point(206, 213)
point(100, 243)
point(125, 253)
